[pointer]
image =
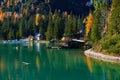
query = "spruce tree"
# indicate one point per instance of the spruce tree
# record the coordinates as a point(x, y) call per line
point(74, 24)
point(95, 30)
point(114, 24)
point(49, 33)
point(56, 28)
point(10, 34)
point(68, 26)
point(79, 23)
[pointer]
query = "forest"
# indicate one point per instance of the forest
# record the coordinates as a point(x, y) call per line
point(21, 18)
point(103, 27)
point(56, 18)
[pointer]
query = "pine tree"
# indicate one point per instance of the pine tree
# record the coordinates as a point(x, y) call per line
point(114, 24)
point(10, 34)
point(95, 30)
point(25, 27)
point(68, 26)
point(31, 25)
point(79, 23)
point(56, 28)
point(74, 24)
point(20, 30)
point(49, 33)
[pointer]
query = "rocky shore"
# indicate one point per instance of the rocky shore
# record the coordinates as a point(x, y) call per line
point(101, 56)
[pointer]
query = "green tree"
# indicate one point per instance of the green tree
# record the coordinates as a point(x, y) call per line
point(20, 30)
point(95, 30)
point(4, 30)
point(74, 24)
point(49, 33)
point(31, 25)
point(68, 26)
point(79, 23)
point(44, 25)
point(56, 29)
point(42, 31)
point(114, 24)
point(25, 27)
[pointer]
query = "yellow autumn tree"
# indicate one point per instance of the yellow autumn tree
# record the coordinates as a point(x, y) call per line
point(1, 15)
point(88, 21)
point(25, 12)
point(15, 17)
point(37, 19)
point(9, 2)
point(15, 2)
point(43, 17)
point(5, 15)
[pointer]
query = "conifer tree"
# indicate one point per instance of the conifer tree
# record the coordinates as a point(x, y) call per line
point(114, 24)
point(68, 26)
point(31, 25)
point(95, 30)
point(10, 34)
point(49, 33)
point(79, 23)
point(74, 24)
point(89, 22)
point(56, 28)
point(20, 30)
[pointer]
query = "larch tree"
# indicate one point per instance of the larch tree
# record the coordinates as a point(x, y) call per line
point(88, 22)
point(37, 19)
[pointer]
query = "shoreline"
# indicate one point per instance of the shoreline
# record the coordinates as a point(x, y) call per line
point(101, 56)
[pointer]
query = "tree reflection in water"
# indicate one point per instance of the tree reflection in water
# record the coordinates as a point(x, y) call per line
point(52, 64)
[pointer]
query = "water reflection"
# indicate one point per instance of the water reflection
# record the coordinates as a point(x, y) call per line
point(37, 47)
point(89, 63)
point(38, 62)
point(16, 64)
point(2, 65)
point(52, 64)
point(60, 59)
point(103, 70)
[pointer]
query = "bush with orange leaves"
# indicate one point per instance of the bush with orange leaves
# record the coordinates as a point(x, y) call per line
point(88, 21)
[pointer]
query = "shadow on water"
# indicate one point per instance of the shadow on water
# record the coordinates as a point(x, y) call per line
point(35, 62)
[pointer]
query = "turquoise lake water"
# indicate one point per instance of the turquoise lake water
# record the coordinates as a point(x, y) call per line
point(35, 62)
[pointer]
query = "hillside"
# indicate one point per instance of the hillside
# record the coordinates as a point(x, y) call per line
point(78, 7)
point(21, 18)
point(103, 27)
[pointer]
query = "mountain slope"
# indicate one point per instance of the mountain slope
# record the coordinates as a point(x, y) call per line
point(75, 6)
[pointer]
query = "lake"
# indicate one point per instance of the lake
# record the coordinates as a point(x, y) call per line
point(35, 62)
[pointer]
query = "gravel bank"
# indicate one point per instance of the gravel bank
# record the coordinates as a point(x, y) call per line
point(101, 56)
